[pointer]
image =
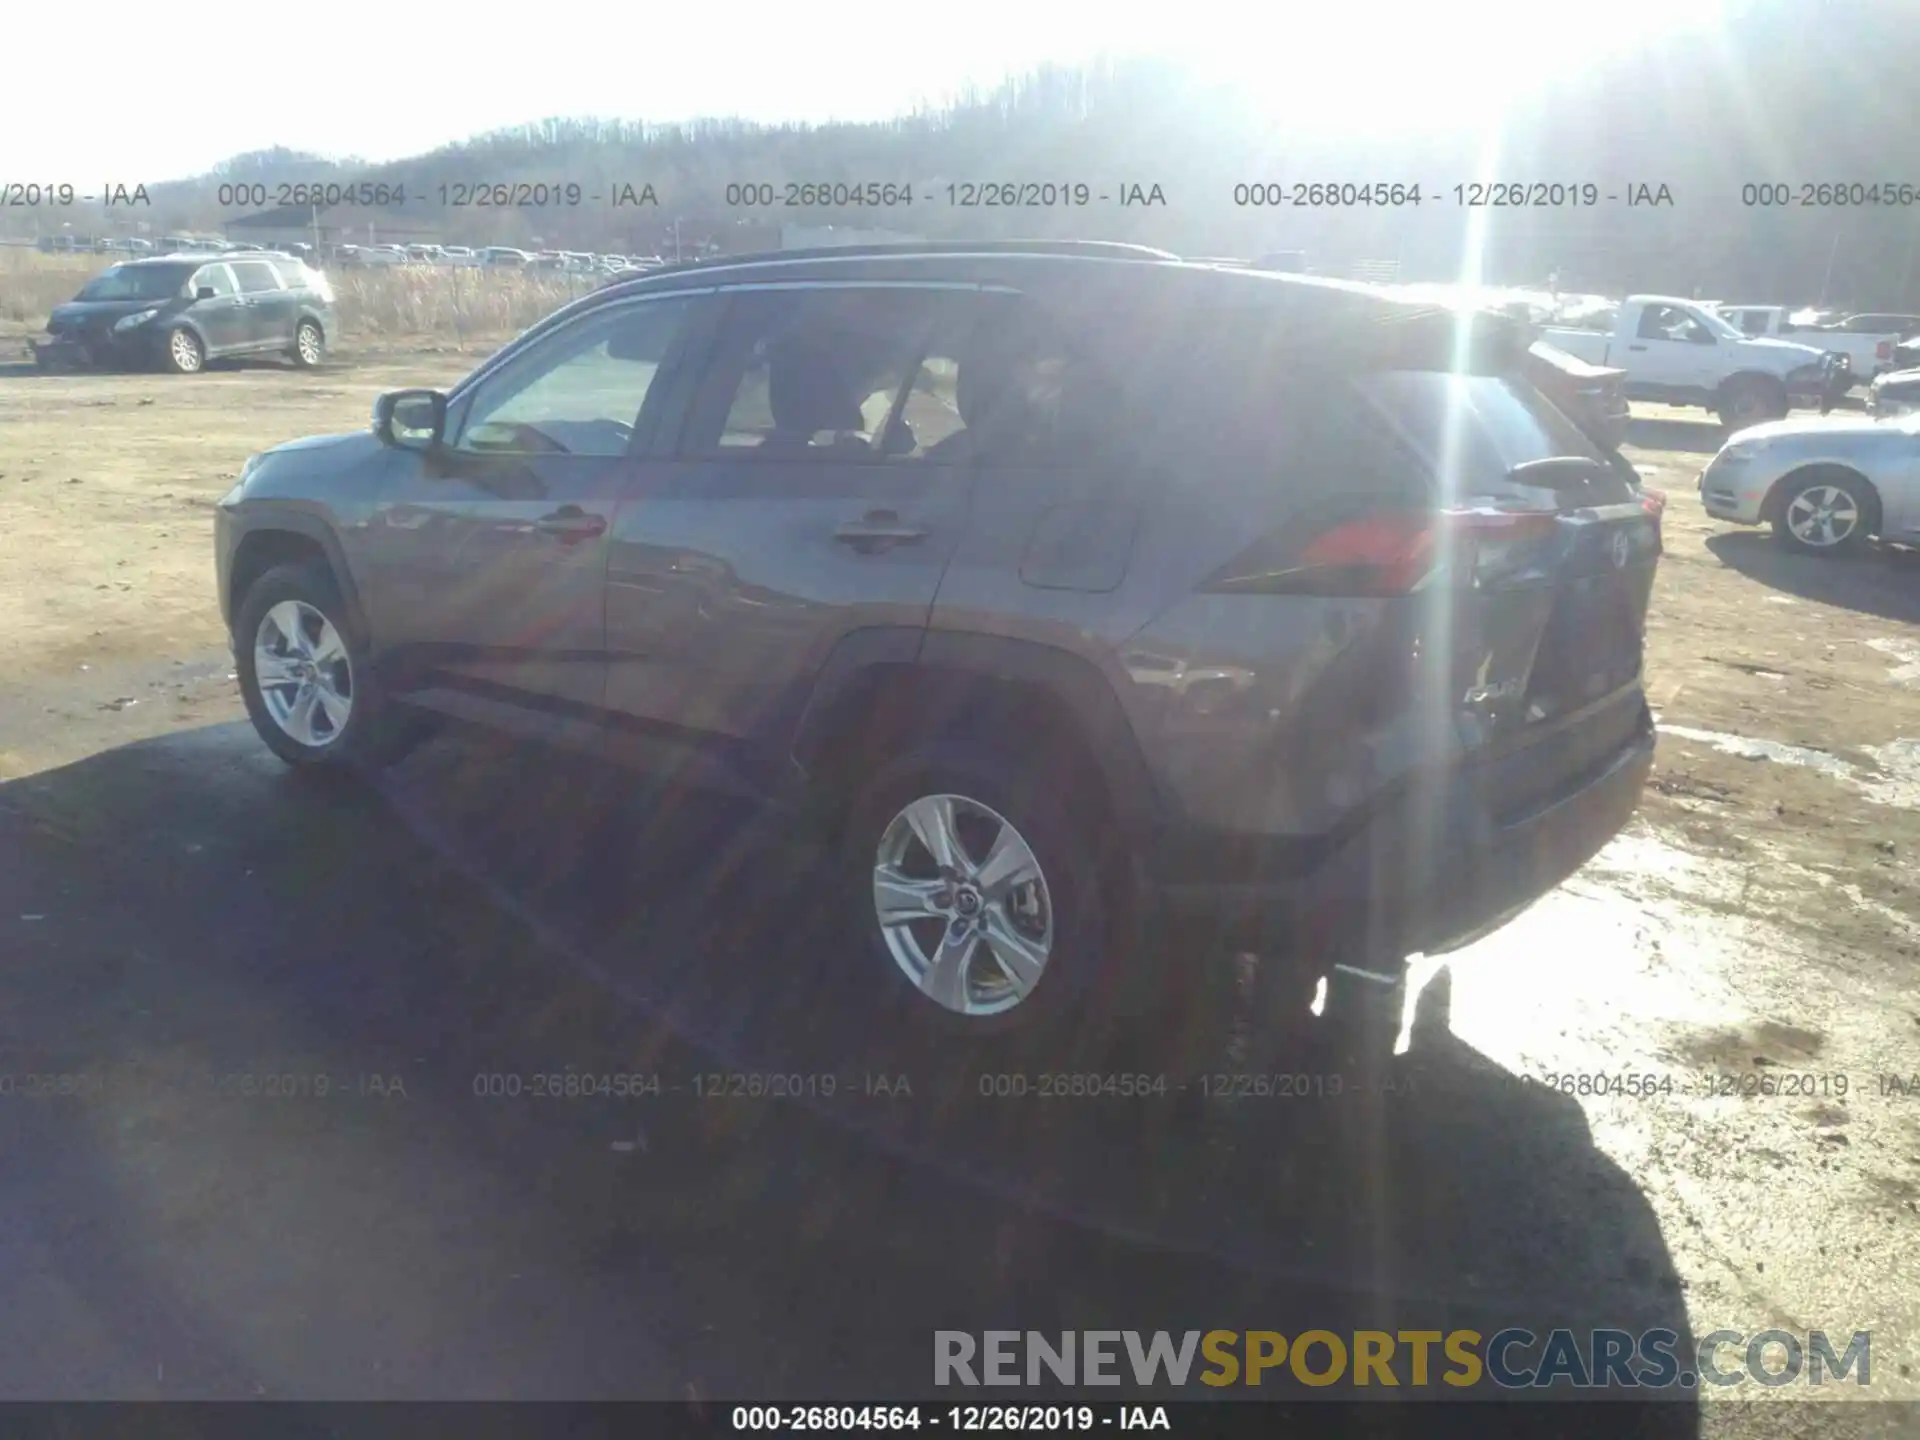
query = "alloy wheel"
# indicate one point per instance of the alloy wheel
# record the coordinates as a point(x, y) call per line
point(963, 905)
point(1823, 516)
point(307, 339)
point(185, 353)
point(304, 675)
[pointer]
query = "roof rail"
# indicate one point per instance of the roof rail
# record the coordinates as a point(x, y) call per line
point(1109, 249)
point(1092, 249)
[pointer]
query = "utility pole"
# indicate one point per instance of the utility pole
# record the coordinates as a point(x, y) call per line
point(1906, 268)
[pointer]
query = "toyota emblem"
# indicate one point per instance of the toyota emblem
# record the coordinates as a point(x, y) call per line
point(1622, 548)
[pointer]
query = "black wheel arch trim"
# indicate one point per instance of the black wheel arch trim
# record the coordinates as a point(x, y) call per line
point(1072, 680)
point(1747, 377)
point(309, 527)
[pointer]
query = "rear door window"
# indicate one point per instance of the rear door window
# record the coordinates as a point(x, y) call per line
point(255, 276)
point(846, 373)
point(1043, 385)
point(1471, 432)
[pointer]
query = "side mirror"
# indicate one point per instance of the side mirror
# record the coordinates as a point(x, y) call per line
point(410, 419)
point(205, 292)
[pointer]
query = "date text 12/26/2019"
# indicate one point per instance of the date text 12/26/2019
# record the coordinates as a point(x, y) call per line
point(961, 1419)
point(1472, 195)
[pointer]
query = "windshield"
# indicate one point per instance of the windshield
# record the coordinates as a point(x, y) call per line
point(1718, 324)
point(136, 282)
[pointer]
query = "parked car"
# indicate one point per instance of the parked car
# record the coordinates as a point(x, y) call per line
point(181, 311)
point(1894, 393)
point(504, 256)
point(1110, 593)
point(1824, 486)
point(1867, 352)
point(1594, 397)
point(1875, 323)
point(1680, 352)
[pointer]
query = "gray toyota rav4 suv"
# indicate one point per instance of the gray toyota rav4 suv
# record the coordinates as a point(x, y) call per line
point(1088, 598)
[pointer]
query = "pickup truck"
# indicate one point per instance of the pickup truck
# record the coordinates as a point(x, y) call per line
point(1680, 352)
point(1869, 352)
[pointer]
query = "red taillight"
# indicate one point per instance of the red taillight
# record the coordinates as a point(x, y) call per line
point(1654, 502)
point(1883, 351)
point(1389, 552)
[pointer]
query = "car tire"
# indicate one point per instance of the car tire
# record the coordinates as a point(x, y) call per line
point(1065, 917)
point(1751, 401)
point(182, 353)
point(295, 613)
point(309, 345)
point(1826, 513)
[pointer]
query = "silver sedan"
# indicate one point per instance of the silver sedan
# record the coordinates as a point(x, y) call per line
point(1824, 484)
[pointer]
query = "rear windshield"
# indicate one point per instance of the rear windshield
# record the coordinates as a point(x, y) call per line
point(293, 273)
point(1471, 431)
point(136, 282)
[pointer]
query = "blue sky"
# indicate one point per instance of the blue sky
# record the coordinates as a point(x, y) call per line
point(165, 94)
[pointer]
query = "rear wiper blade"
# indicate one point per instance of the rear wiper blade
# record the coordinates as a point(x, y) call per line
point(1558, 472)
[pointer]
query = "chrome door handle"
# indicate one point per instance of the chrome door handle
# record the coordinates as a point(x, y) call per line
point(570, 523)
point(877, 529)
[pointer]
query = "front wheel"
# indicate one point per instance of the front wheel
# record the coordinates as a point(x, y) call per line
point(305, 677)
point(183, 353)
point(1825, 515)
point(309, 345)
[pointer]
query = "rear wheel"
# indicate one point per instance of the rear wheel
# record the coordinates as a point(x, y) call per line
point(1825, 514)
point(1751, 400)
point(183, 353)
point(977, 888)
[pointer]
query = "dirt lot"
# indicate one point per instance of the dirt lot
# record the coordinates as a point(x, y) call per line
point(1758, 928)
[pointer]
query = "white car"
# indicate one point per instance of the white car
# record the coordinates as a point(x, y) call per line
point(1824, 485)
point(1893, 394)
point(1867, 352)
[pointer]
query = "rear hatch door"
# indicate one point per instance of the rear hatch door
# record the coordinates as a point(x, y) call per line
point(1530, 633)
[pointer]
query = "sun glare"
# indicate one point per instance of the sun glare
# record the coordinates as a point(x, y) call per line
point(1416, 68)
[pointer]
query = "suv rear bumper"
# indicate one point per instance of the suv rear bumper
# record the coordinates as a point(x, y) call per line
point(1430, 872)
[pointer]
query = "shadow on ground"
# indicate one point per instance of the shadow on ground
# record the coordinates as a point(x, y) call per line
point(441, 1222)
point(1880, 580)
point(1691, 437)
